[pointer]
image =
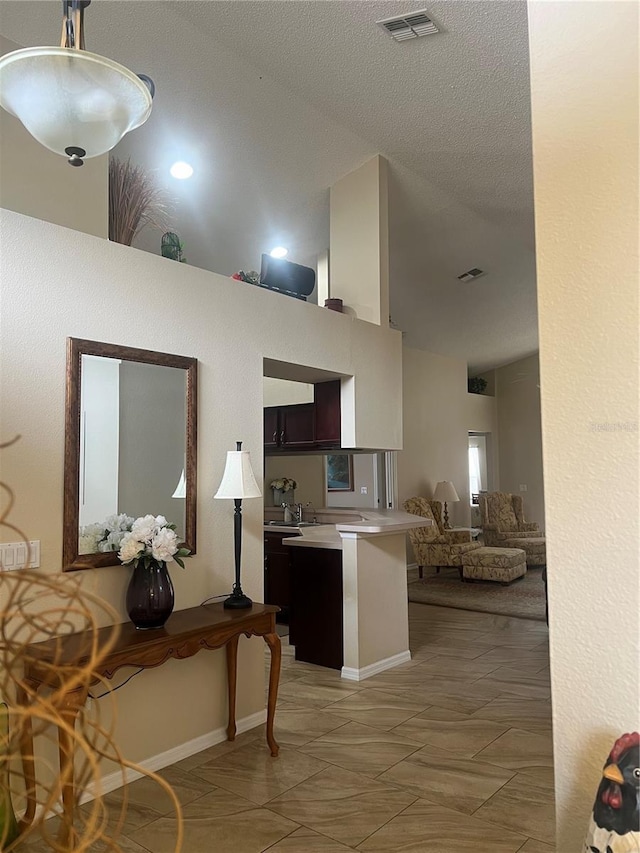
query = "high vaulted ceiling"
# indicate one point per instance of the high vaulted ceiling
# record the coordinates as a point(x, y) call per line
point(272, 101)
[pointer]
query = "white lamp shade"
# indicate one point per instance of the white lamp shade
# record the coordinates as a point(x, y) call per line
point(445, 492)
point(72, 98)
point(238, 480)
point(181, 488)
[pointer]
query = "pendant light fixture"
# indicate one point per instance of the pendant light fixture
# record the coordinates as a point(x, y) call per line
point(74, 102)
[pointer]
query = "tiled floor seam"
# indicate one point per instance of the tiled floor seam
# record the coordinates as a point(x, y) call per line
point(393, 817)
point(486, 746)
point(271, 846)
point(514, 773)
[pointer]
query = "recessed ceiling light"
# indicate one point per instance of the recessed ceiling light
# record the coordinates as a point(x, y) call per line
point(181, 170)
point(279, 252)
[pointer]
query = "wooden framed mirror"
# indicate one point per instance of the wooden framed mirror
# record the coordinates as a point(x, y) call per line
point(130, 447)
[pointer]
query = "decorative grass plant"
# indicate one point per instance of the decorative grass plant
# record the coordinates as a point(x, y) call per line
point(134, 202)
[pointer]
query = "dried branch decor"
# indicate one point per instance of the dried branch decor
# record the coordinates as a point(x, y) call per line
point(36, 606)
point(134, 202)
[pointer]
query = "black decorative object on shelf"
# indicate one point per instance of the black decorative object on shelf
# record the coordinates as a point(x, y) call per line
point(287, 277)
point(150, 597)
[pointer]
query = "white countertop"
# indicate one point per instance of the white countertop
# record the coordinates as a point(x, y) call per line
point(372, 522)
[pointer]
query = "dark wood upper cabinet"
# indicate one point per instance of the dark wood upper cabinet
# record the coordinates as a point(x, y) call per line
point(289, 426)
point(305, 426)
point(298, 426)
point(327, 410)
point(271, 426)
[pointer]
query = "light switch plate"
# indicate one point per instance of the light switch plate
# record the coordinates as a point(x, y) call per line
point(13, 555)
point(523, 488)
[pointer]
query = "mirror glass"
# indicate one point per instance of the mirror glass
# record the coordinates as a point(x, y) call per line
point(131, 447)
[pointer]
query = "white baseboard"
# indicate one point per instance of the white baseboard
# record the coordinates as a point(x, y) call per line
point(411, 566)
point(352, 674)
point(116, 780)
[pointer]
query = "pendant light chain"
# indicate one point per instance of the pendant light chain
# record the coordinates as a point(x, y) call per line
point(73, 23)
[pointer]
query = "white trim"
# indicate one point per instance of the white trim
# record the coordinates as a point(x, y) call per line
point(177, 753)
point(352, 674)
point(411, 566)
point(391, 472)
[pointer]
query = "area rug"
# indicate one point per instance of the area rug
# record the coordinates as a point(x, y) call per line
point(524, 598)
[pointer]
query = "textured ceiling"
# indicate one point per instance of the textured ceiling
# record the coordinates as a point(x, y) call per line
point(272, 102)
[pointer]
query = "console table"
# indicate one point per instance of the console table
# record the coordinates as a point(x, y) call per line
point(185, 633)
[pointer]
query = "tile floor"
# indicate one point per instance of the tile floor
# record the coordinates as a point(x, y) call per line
point(448, 753)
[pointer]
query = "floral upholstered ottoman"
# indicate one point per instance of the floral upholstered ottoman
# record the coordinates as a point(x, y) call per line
point(494, 564)
point(535, 549)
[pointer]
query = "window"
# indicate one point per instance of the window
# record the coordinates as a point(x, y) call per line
point(478, 468)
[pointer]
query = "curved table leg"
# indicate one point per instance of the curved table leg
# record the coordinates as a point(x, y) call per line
point(28, 761)
point(273, 641)
point(71, 704)
point(232, 669)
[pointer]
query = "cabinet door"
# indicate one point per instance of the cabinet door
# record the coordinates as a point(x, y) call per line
point(271, 426)
point(316, 615)
point(277, 574)
point(297, 425)
point(327, 402)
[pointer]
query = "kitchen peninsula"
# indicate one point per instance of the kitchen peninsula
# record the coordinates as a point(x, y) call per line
point(375, 622)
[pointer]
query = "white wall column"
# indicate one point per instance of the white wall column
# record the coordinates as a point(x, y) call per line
point(359, 241)
point(584, 83)
point(375, 605)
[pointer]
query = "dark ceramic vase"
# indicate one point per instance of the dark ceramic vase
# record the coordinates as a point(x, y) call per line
point(150, 595)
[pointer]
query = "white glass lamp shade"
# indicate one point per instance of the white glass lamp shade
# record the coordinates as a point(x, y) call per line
point(72, 98)
point(181, 488)
point(238, 480)
point(445, 492)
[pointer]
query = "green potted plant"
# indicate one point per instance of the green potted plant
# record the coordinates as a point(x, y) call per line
point(476, 385)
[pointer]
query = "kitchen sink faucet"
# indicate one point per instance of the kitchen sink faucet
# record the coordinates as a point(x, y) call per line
point(298, 513)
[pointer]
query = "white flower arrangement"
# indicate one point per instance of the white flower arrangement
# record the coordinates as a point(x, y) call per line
point(284, 484)
point(105, 535)
point(152, 538)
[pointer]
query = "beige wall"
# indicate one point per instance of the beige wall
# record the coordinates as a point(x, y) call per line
point(520, 434)
point(94, 299)
point(438, 416)
point(39, 183)
point(363, 477)
point(584, 80)
point(308, 470)
point(305, 469)
point(359, 240)
point(283, 392)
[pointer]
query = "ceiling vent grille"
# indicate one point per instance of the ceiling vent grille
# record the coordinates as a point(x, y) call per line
point(409, 26)
point(469, 275)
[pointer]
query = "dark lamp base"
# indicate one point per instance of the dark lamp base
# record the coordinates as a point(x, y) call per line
point(237, 601)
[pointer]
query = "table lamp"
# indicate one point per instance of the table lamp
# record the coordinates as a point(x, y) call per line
point(181, 488)
point(237, 483)
point(446, 491)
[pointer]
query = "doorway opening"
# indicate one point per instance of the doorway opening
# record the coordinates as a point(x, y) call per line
point(480, 468)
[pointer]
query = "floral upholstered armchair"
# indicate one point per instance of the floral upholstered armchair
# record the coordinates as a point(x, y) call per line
point(502, 519)
point(433, 545)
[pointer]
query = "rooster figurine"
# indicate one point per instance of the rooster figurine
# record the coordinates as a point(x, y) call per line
point(615, 822)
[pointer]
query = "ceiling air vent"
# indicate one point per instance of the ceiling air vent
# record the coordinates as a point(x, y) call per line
point(409, 26)
point(469, 275)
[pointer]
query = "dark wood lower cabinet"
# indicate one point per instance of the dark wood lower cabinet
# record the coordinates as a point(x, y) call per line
point(316, 606)
point(277, 574)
